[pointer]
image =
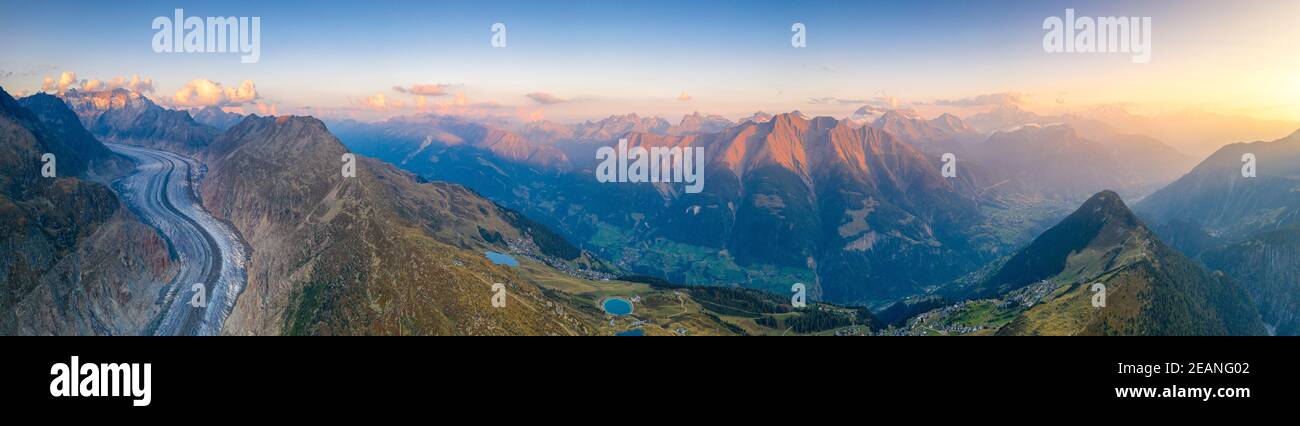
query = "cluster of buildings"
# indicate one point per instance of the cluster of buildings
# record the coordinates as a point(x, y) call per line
point(528, 249)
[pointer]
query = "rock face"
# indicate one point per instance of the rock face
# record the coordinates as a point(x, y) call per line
point(127, 117)
point(1268, 266)
point(1150, 288)
point(79, 152)
point(218, 119)
point(73, 261)
point(379, 253)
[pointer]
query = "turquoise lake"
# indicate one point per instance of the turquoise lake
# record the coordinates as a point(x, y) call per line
point(501, 259)
point(617, 306)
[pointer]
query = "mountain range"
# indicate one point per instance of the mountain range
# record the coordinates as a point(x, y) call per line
point(1244, 226)
point(121, 115)
point(845, 208)
point(381, 252)
point(858, 210)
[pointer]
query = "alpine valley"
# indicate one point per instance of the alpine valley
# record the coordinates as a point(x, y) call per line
point(1005, 222)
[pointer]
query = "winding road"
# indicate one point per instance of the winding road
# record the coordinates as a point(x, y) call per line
point(209, 252)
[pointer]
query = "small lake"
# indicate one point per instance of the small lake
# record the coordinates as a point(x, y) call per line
point(617, 306)
point(501, 259)
point(632, 332)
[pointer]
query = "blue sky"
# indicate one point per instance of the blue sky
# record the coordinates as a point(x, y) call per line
point(605, 57)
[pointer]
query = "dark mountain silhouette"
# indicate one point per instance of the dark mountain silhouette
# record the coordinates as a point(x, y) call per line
point(72, 260)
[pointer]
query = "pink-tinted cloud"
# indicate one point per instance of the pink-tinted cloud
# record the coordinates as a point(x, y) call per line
point(423, 89)
point(68, 80)
point(380, 102)
point(1004, 98)
point(203, 92)
point(545, 98)
point(266, 109)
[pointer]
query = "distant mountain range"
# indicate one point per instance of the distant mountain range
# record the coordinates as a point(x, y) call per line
point(1190, 131)
point(217, 118)
point(1133, 164)
point(789, 199)
point(935, 134)
point(124, 116)
point(1216, 197)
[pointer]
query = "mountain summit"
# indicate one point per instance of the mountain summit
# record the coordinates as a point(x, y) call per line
point(1150, 289)
point(1103, 221)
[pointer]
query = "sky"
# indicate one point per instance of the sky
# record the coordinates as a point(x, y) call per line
point(577, 60)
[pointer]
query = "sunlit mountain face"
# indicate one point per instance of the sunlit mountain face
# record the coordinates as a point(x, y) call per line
point(523, 169)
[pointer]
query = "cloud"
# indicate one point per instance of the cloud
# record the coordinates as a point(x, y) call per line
point(886, 99)
point(68, 80)
point(423, 89)
point(830, 100)
point(463, 106)
point(266, 109)
point(135, 84)
point(545, 98)
point(202, 93)
point(379, 102)
point(684, 97)
point(1004, 98)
